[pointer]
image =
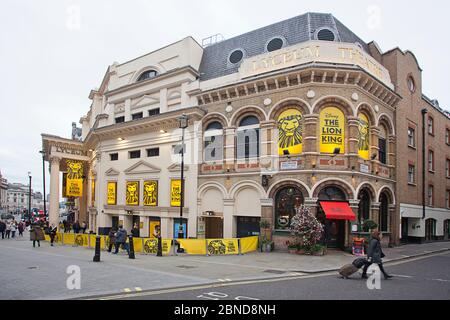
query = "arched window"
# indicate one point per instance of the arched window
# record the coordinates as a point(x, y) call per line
point(248, 138)
point(147, 75)
point(363, 137)
point(213, 136)
point(286, 201)
point(364, 205)
point(384, 212)
point(332, 194)
point(382, 145)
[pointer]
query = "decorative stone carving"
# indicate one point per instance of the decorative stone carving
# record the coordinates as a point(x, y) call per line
point(311, 94)
point(267, 102)
point(355, 97)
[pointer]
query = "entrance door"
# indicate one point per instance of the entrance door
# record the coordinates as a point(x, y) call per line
point(335, 233)
point(248, 227)
point(176, 228)
point(115, 223)
point(404, 230)
point(446, 229)
point(137, 222)
point(430, 229)
point(214, 228)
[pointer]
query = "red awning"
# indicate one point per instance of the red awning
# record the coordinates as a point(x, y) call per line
point(338, 211)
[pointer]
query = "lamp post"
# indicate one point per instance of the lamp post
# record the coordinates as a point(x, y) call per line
point(183, 124)
point(43, 178)
point(29, 198)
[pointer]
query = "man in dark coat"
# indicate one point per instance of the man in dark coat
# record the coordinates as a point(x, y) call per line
point(52, 232)
point(112, 239)
point(121, 240)
point(2, 229)
point(36, 234)
point(375, 255)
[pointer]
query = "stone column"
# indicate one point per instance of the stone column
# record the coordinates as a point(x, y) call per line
point(267, 142)
point(54, 191)
point(144, 232)
point(375, 214)
point(354, 204)
point(391, 156)
point(353, 123)
point(310, 140)
point(128, 110)
point(374, 136)
point(229, 147)
point(163, 100)
point(228, 218)
point(166, 228)
point(267, 214)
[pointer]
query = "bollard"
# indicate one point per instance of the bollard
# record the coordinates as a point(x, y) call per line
point(159, 253)
point(97, 249)
point(131, 248)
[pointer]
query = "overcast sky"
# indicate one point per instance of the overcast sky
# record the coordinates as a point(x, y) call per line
point(53, 52)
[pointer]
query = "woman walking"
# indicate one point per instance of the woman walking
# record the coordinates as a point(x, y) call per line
point(13, 229)
point(8, 229)
point(375, 255)
point(21, 228)
point(52, 233)
point(36, 234)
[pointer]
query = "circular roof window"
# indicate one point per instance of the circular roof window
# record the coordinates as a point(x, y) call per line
point(275, 44)
point(325, 35)
point(236, 56)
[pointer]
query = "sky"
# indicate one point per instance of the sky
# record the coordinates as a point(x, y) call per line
point(53, 52)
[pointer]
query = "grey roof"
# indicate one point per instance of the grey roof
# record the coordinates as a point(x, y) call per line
point(295, 30)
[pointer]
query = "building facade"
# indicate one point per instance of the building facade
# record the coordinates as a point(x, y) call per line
point(3, 193)
point(300, 112)
point(17, 194)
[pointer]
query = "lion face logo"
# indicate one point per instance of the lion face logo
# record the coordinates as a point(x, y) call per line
point(290, 131)
point(150, 193)
point(363, 135)
point(132, 193)
point(216, 247)
point(75, 170)
point(151, 246)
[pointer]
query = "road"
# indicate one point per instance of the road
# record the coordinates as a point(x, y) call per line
point(426, 278)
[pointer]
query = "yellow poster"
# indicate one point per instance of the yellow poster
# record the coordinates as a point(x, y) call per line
point(151, 193)
point(153, 226)
point(112, 193)
point(290, 132)
point(132, 197)
point(223, 246)
point(74, 181)
point(332, 130)
point(151, 246)
point(193, 246)
point(93, 193)
point(64, 185)
point(175, 193)
point(249, 244)
point(363, 137)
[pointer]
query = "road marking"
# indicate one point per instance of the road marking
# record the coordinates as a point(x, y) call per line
point(440, 280)
point(138, 289)
point(224, 280)
point(401, 276)
point(127, 290)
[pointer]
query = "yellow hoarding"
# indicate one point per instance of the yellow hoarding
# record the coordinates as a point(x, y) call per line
point(175, 193)
point(223, 246)
point(74, 180)
point(151, 193)
point(132, 195)
point(151, 246)
point(290, 132)
point(193, 246)
point(112, 193)
point(332, 130)
point(249, 244)
point(363, 137)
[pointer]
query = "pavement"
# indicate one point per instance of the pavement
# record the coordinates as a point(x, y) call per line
point(41, 273)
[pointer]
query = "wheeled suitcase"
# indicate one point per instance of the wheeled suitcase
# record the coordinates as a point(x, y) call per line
point(347, 270)
point(360, 262)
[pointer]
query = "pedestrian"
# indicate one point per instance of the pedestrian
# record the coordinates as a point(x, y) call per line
point(2, 228)
point(83, 226)
point(36, 234)
point(8, 229)
point(135, 231)
point(375, 255)
point(21, 228)
point(112, 238)
point(52, 232)
point(121, 240)
point(76, 227)
point(13, 228)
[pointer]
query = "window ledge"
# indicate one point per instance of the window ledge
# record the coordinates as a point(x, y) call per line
point(412, 184)
point(432, 171)
point(412, 147)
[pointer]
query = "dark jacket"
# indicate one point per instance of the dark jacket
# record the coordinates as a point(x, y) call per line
point(135, 232)
point(121, 236)
point(374, 251)
point(112, 236)
point(36, 233)
point(2, 226)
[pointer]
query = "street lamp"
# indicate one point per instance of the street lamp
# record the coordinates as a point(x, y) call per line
point(183, 124)
point(29, 197)
point(43, 178)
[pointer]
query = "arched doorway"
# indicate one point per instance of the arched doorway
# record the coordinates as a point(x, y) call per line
point(446, 229)
point(286, 200)
point(334, 236)
point(430, 229)
point(364, 205)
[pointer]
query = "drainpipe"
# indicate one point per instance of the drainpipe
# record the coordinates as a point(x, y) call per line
point(424, 112)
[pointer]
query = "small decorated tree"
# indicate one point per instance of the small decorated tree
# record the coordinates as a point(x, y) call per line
point(306, 229)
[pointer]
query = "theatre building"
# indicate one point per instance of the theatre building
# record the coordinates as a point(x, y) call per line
point(300, 112)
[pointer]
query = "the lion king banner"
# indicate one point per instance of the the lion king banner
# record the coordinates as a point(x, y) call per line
point(151, 193)
point(332, 130)
point(74, 180)
point(363, 137)
point(223, 246)
point(132, 196)
point(112, 193)
point(175, 193)
point(290, 132)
